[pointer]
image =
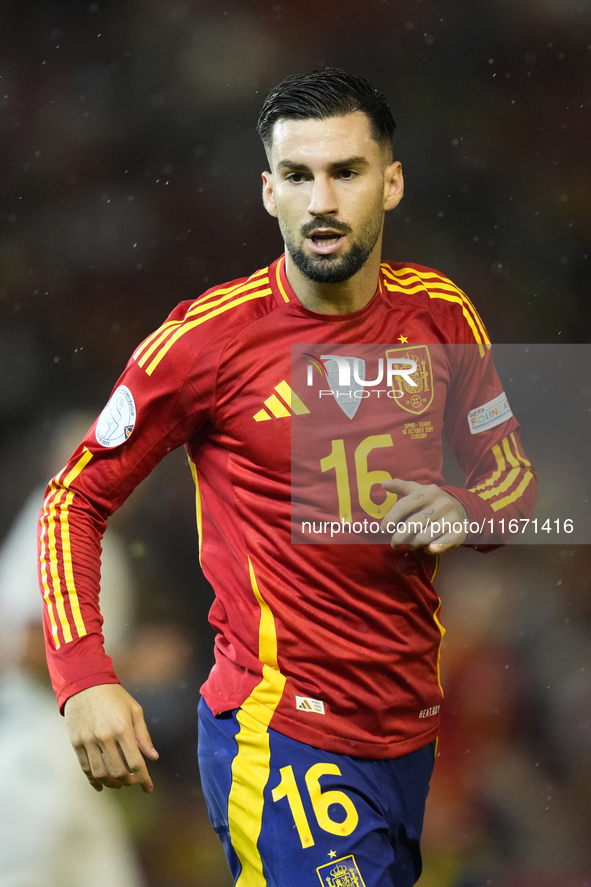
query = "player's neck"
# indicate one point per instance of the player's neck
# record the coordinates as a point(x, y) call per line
point(336, 298)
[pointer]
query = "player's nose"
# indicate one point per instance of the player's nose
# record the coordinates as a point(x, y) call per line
point(323, 198)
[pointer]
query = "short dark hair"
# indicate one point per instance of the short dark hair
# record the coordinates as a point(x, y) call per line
point(330, 92)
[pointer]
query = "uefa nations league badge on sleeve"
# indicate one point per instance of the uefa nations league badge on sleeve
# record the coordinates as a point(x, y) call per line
point(490, 414)
point(117, 420)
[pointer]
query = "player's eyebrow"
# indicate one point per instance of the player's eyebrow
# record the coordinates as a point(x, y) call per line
point(350, 161)
point(332, 167)
point(291, 164)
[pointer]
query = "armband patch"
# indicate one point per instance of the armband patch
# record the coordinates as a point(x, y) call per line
point(490, 414)
point(117, 420)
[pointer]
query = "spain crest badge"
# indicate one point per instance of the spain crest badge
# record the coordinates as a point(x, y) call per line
point(418, 397)
point(341, 873)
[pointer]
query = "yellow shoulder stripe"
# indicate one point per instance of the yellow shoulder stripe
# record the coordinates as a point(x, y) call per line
point(156, 340)
point(222, 290)
point(441, 280)
point(154, 335)
point(187, 327)
point(411, 281)
point(196, 308)
point(203, 303)
point(201, 306)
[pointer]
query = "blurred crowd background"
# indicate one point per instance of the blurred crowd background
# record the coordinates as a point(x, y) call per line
point(130, 181)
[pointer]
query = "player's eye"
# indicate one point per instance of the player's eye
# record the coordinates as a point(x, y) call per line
point(346, 174)
point(296, 178)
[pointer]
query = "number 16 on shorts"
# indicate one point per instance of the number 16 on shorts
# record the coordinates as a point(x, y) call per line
point(321, 801)
point(342, 821)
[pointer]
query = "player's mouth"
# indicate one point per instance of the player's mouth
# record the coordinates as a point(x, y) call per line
point(324, 241)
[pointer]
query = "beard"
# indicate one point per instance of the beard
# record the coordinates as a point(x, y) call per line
point(332, 268)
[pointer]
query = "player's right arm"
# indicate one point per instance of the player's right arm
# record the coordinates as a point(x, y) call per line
point(149, 414)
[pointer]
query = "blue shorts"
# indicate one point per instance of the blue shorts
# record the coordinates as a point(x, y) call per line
point(290, 815)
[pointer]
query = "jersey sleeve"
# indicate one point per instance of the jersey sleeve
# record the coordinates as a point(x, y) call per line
point(483, 433)
point(148, 415)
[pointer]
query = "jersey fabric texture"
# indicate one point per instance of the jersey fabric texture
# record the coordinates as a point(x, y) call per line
point(337, 646)
point(291, 815)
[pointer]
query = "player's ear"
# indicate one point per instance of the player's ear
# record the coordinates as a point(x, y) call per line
point(268, 194)
point(393, 185)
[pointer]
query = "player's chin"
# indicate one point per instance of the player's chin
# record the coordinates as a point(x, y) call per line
point(323, 260)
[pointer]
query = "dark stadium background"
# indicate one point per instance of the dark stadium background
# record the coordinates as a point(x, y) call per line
point(130, 181)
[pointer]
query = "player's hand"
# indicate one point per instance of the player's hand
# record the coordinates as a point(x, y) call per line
point(431, 507)
point(108, 733)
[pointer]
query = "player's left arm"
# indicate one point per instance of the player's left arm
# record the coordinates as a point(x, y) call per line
point(484, 435)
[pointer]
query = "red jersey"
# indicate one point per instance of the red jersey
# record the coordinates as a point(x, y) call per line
point(337, 646)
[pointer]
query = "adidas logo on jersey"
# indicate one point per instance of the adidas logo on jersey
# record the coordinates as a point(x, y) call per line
point(306, 703)
point(281, 407)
